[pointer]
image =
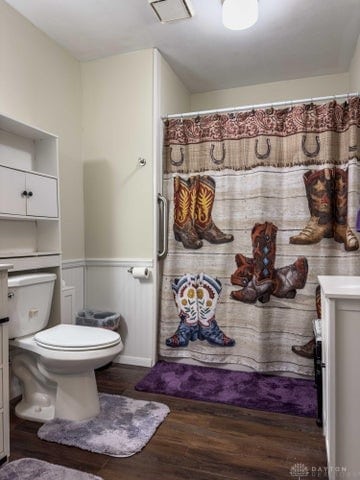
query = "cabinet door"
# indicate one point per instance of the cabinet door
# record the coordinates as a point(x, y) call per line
point(12, 186)
point(42, 198)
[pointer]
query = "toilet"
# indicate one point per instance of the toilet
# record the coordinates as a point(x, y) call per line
point(55, 366)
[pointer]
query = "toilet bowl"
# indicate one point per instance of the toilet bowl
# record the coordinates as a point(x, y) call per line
point(55, 366)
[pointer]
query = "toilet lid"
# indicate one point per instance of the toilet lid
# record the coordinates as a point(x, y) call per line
point(76, 337)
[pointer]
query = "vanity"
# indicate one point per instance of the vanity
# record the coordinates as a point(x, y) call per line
point(340, 300)
point(4, 364)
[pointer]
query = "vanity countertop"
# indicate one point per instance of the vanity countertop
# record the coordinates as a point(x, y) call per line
point(340, 286)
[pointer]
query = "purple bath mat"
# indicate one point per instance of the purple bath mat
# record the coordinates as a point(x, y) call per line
point(271, 393)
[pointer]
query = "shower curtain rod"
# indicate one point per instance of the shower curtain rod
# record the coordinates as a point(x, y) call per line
point(260, 105)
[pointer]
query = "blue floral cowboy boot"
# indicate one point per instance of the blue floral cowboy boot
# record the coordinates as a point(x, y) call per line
point(208, 291)
point(184, 290)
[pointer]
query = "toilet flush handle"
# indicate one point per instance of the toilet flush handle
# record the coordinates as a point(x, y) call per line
point(33, 312)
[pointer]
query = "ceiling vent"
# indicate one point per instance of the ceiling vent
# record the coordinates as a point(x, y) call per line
point(172, 10)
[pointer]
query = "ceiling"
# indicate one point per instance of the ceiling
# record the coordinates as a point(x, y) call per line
point(292, 39)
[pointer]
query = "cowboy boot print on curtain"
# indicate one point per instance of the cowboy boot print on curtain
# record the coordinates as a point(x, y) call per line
point(285, 280)
point(319, 193)
point(184, 290)
point(204, 223)
point(185, 194)
point(307, 350)
point(193, 204)
point(261, 285)
point(208, 292)
point(342, 232)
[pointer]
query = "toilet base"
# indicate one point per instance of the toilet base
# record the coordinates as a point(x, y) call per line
point(76, 396)
point(76, 399)
point(48, 395)
point(35, 413)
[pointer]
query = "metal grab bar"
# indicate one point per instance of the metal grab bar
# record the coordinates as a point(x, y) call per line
point(165, 241)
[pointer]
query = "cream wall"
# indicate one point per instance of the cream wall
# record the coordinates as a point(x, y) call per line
point(272, 92)
point(40, 84)
point(355, 69)
point(174, 96)
point(117, 130)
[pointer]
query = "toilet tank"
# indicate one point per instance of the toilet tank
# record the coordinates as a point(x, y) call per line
point(30, 298)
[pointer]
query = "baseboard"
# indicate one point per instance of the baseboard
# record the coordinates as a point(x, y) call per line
point(137, 361)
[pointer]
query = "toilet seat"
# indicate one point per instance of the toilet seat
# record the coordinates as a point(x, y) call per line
point(76, 338)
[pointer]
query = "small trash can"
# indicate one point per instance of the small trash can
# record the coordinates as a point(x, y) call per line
point(98, 318)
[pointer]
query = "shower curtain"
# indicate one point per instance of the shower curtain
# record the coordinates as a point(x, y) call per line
point(261, 203)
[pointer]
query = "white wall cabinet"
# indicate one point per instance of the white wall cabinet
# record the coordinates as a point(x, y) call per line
point(340, 300)
point(4, 366)
point(27, 194)
point(29, 202)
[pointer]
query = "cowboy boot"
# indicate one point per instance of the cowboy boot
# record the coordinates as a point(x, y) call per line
point(318, 301)
point(286, 279)
point(208, 291)
point(244, 272)
point(261, 285)
point(291, 278)
point(204, 223)
point(319, 190)
point(184, 290)
point(307, 350)
point(342, 232)
point(185, 193)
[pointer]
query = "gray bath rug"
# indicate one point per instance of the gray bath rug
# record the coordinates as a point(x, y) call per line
point(123, 427)
point(32, 469)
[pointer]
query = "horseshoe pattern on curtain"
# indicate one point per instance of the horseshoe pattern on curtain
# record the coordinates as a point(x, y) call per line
point(177, 163)
point(263, 156)
point(212, 155)
point(316, 152)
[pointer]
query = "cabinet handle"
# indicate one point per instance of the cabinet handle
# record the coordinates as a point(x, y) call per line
point(24, 193)
point(30, 194)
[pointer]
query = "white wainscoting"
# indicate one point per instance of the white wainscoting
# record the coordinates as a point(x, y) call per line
point(73, 274)
point(110, 286)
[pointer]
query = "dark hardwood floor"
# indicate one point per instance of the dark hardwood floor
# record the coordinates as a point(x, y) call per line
point(197, 441)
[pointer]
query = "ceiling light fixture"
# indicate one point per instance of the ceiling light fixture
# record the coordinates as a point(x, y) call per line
point(239, 14)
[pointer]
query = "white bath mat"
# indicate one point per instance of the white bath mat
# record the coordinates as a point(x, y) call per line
point(123, 427)
point(33, 469)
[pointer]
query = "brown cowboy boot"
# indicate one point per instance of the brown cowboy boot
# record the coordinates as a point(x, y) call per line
point(185, 193)
point(342, 232)
point(319, 190)
point(261, 285)
point(286, 279)
point(291, 278)
point(243, 274)
point(307, 350)
point(204, 223)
